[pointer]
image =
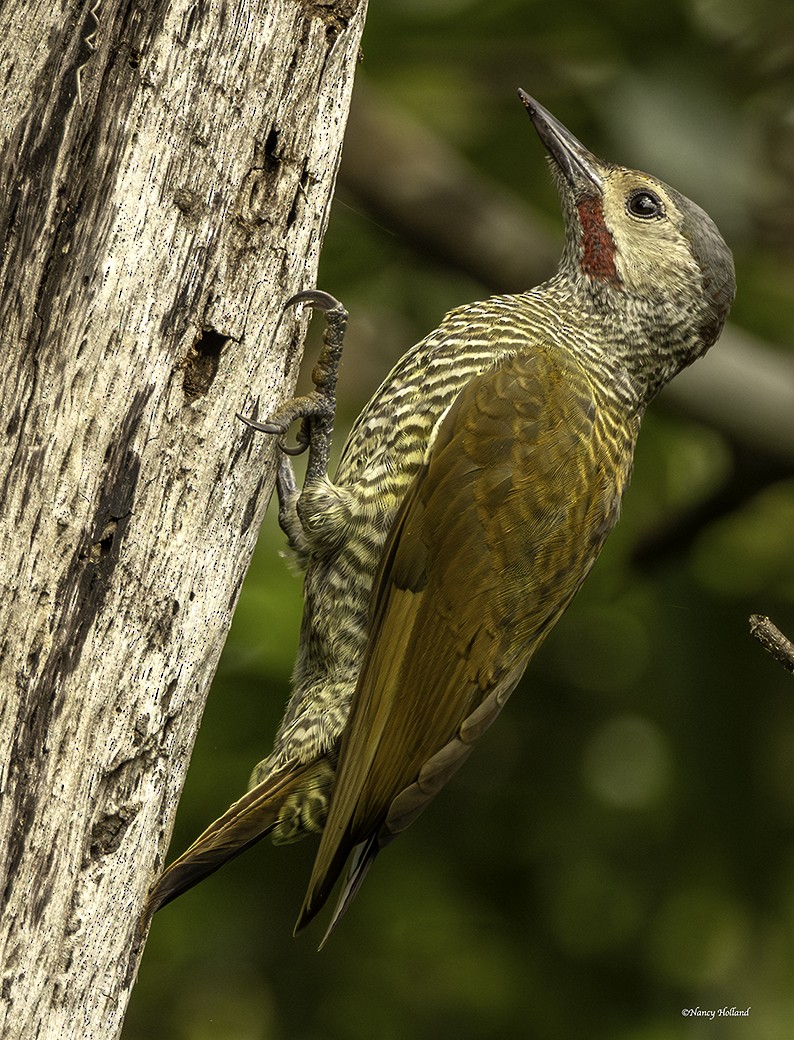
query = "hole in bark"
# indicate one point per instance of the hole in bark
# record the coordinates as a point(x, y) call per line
point(105, 543)
point(99, 549)
point(202, 362)
point(293, 212)
point(272, 158)
point(108, 832)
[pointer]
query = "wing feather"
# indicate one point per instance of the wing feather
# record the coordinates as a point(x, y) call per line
point(484, 555)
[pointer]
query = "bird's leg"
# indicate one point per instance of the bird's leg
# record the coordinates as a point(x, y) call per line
point(316, 410)
point(288, 519)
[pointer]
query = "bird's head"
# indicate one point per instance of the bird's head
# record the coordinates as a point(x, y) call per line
point(639, 245)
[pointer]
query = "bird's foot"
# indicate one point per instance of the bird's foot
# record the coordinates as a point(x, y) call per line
point(316, 412)
point(317, 409)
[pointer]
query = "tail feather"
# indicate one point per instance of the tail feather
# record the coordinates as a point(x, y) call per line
point(363, 858)
point(250, 819)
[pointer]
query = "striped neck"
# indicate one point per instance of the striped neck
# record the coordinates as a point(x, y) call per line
point(631, 348)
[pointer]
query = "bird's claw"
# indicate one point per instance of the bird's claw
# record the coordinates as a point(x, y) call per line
point(262, 427)
point(316, 410)
point(275, 428)
point(323, 301)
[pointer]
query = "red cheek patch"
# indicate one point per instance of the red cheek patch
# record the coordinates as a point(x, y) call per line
point(598, 245)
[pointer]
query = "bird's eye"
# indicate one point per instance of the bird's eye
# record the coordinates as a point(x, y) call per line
point(645, 204)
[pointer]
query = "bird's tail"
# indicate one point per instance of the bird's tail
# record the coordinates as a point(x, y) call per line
point(363, 858)
point(250, 819)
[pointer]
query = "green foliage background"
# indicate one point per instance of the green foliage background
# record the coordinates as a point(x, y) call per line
point(621, 846)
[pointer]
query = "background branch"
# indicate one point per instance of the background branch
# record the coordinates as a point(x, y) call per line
point(772, 640)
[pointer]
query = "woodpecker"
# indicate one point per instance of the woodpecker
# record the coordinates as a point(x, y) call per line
point(473, 495)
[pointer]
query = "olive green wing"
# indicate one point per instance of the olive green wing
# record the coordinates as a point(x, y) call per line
point(488, 548)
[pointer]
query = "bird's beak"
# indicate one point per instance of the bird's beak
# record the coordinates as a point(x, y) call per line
point(581, 168)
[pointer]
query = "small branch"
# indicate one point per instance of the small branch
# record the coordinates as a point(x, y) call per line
point(772, 640)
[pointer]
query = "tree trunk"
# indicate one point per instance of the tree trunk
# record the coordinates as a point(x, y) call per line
point(167, 168)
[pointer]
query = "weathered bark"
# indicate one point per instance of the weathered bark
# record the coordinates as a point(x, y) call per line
point(166, 173)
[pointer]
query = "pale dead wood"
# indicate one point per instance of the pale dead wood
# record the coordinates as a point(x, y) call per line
point(166, 175)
